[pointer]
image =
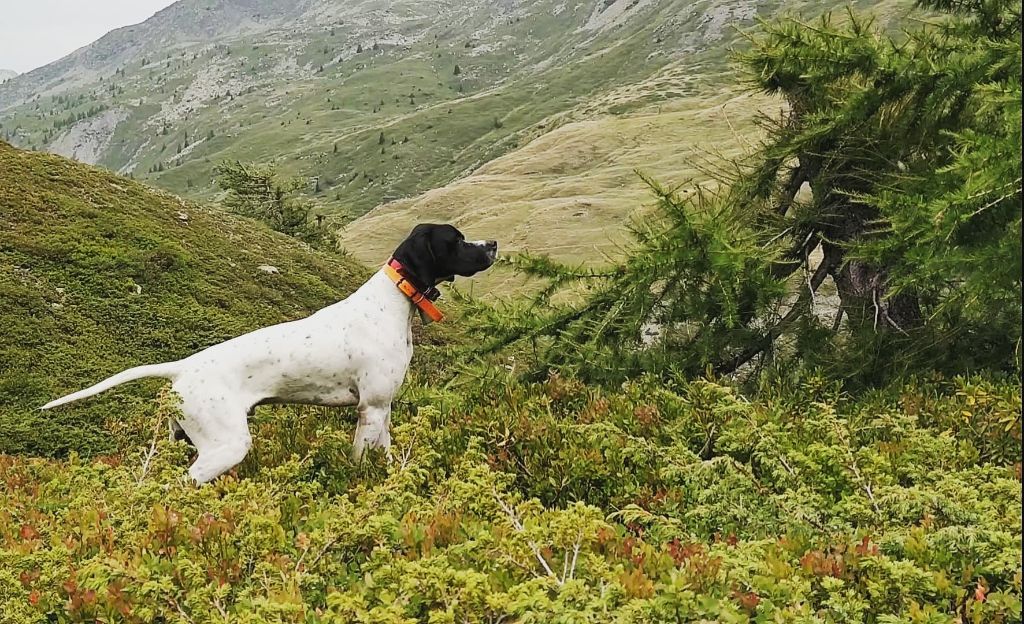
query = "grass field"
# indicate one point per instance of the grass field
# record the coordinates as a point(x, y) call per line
point(571, 191)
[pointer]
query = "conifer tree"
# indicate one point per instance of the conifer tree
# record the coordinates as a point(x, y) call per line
point(256, 191)
point(911, 147)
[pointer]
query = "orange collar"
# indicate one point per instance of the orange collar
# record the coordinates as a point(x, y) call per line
point(422, 300)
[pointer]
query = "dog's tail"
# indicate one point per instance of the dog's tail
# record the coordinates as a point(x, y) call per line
point(168, 370)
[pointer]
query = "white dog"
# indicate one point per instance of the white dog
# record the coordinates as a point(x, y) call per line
point(355, 352)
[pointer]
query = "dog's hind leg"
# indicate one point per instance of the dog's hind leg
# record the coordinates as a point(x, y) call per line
point(214, 462)
point(219, 429)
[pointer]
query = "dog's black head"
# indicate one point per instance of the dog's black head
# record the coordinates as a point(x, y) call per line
point(435, 253)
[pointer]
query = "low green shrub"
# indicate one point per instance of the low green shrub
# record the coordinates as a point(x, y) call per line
point(546, 502)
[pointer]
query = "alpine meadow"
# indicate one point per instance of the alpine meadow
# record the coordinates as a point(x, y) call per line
point(750, 351)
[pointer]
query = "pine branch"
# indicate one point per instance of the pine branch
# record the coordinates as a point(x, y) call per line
point(800, 307)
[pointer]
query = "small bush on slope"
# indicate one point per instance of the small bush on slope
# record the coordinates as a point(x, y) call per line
point(76, 245)
point(550, 502)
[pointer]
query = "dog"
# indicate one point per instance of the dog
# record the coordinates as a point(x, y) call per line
point(354, 352)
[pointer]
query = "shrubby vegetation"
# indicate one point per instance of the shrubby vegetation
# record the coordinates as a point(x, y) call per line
point(258, 192)
point(550, 502)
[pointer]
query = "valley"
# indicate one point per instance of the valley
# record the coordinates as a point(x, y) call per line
point(375, 103)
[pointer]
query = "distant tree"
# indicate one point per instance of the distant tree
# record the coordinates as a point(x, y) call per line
point(380, 139)
point(257, 192)
point(359, 48)
point(457, 70)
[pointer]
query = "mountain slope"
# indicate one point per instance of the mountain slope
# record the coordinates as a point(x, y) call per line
point(371, 101)
point(99, 273)
point(570, 192)
point(182, 24)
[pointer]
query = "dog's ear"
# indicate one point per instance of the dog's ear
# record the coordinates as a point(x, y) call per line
point(417, 255)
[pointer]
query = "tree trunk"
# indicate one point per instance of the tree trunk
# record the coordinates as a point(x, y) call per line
point(863, 291)
point(863, 287)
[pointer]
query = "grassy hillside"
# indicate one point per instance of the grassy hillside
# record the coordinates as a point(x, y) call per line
point(533, 137)
point(669, 497)
point(99, 273)
point(570, 192)
point(450, 83)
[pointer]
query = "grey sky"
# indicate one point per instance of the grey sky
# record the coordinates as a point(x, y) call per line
point(36, 32)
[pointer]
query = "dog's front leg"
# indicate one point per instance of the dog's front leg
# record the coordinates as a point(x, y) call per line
point(372, 430)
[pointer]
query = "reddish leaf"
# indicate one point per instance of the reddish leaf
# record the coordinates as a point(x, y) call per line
point(28, 532)
point(980, 592)
point(747, 600)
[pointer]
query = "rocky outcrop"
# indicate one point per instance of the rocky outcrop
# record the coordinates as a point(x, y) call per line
point(86, 140)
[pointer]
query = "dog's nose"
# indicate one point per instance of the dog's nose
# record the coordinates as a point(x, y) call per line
point(492, 245)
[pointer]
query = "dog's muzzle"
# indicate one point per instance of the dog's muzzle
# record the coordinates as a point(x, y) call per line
point(492, 250)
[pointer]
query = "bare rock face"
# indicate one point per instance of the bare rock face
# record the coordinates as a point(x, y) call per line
point(86, 140)
point(7, 74)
